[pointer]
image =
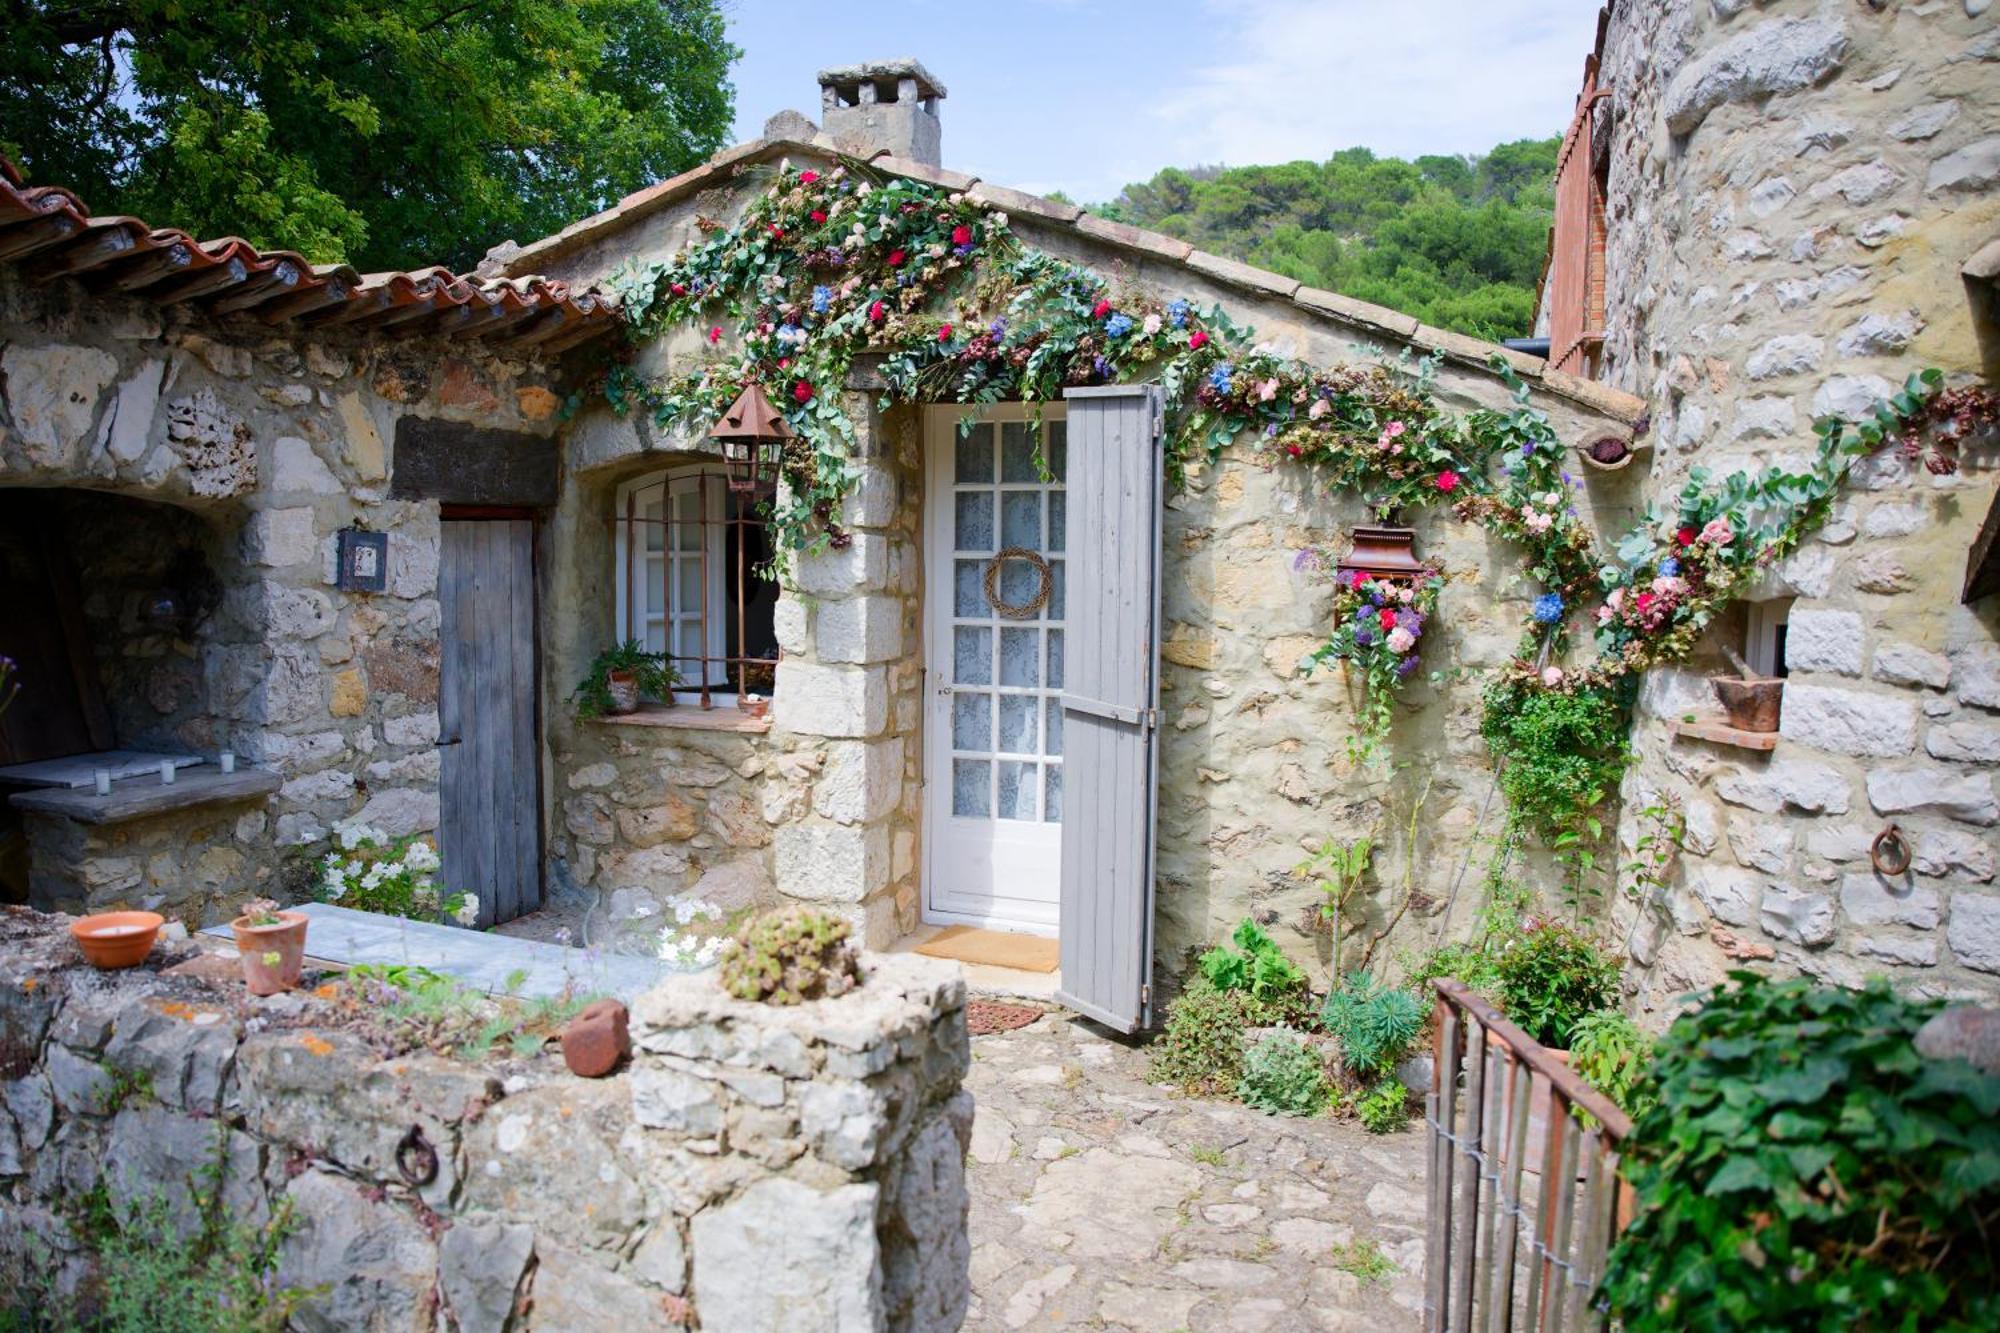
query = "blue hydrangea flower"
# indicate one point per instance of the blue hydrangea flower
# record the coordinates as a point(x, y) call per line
point(1219, 378)
point(1549, 608)
point(998, 329)
point(1177, 313)
point(1670, 567)
point(822, 299)
point(1118, 326)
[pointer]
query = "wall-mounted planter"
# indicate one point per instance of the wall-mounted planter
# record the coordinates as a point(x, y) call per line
point(1752, 703)
point(1608, 453)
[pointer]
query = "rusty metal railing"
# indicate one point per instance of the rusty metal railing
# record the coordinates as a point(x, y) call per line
point(1524, 1197)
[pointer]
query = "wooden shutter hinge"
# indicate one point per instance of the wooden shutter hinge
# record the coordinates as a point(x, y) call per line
point(1145, 997)
point(1150, 717)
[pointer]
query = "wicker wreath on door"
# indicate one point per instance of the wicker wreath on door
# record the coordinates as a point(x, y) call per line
point(1019, 610)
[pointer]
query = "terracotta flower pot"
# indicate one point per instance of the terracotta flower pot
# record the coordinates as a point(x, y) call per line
point(117, 939)
point(271, 954)
point(1754, 704)
point(623, 687)
point(1607, 453)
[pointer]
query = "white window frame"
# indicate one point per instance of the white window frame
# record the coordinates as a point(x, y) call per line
point(1760, 638)
point(672, 483)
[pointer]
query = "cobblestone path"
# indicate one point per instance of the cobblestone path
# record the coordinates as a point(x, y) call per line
point(1102, 1201)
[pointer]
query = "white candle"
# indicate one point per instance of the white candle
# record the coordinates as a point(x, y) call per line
point(103, 777)
point(166, 772)
point(228, 760)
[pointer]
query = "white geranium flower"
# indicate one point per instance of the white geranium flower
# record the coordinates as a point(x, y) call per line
point(467, 911)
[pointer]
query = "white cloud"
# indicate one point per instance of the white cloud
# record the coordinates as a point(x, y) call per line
point(1301, 78)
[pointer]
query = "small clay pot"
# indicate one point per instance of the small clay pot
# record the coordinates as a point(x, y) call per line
point(1607, 453)
point(754, 706)
point(287, 940)
point(1752, 704)
point(597, 1040)
point(623, 687)
point(112, 940)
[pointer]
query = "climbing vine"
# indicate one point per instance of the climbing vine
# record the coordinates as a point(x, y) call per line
point(825, 266)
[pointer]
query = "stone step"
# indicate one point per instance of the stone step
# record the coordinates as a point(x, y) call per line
point(487, 961)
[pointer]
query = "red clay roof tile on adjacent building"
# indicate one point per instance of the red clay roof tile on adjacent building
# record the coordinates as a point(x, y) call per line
point(49, 233)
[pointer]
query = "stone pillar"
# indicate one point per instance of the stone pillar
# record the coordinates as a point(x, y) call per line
point(821, 1147)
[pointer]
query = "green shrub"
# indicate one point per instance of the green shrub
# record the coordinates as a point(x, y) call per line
point(1374, 1024)
point(1551, 976)
point(1805, 1167)
point(1282, 1074)
point(1201, 1050)
point(790, 956)
point(1474, 964)
point(1608, 1052)
point(1384, 1108)
point(1256, 965)
point(1564, 753)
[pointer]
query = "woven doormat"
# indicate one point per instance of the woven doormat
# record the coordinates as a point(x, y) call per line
point(984, 1017)
point(993, 948)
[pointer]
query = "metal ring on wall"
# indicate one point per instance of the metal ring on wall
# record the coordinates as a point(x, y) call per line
point(1889, 852)
point(416, 1159)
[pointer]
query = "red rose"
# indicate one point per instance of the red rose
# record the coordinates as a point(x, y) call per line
point(1447, 481)
point(1196, 339)
point(1100, 310)
point(875, 315)
point(1388, 618)
point(896, 258)
point(944, 334)
point(808, 177)
point(1293, 450)
point(777, 231)
point(715, 334)
point(961, 235)
point(818, 215)
point(678, 288)
point(802, 392)
point(1685, 536)
point(1642, 601)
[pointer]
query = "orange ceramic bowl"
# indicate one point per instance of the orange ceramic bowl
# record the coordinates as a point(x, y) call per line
point(117, 939)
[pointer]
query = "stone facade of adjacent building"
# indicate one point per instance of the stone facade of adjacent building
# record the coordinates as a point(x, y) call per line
point(1793, 189)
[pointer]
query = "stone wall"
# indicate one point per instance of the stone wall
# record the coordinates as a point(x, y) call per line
point(819, 799)
point(754, 1167)
point(1793, 187)
point(267, 446)
point(1254, 769)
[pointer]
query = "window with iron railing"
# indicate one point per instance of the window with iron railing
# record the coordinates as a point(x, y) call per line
point(692, 582)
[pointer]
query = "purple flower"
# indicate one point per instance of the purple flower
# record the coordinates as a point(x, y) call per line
point(1364, 634)
point(1406, 665)
point(1101, 366)
point(1410, 621)
point(998, 329)
point(1528, 449)
point(1365, 613)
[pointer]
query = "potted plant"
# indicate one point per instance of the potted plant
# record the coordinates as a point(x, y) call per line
point(619, 676)
point(273, 944)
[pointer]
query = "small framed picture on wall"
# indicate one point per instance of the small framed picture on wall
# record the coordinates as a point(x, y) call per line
point(364, 561)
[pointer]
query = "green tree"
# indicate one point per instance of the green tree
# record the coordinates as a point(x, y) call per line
point(1456, 241)
point(388, 134)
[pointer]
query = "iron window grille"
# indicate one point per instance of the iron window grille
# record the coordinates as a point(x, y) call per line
point(692, 582)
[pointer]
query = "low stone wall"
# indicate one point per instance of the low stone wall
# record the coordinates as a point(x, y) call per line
point(754, 1167)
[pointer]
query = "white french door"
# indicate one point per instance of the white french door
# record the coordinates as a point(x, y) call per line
point(994, 652)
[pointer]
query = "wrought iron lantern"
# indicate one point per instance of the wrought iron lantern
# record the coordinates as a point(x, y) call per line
point(1384, 553)
point(753, 434)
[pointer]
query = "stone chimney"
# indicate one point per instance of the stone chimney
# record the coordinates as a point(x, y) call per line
point(882, 106)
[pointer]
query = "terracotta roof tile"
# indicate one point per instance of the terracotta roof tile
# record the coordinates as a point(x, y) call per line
point(49, 233)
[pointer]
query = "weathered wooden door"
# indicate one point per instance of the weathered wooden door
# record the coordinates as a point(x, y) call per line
point(1111, 703)
point(489, 783)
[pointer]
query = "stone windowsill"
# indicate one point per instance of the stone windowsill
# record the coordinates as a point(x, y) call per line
point(1721, 733)
point(138, 798)
point(690, 717)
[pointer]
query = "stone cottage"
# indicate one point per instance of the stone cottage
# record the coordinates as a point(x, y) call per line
point(1034, 687)
point(1772, 213)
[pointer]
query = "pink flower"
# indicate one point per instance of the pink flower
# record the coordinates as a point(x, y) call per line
point(802, 392)
point(961, 235)
point(1534, 520)
point(896, 258)
point(1294, 450)
point(808, 177)
point(715, 335)
point(1267, 390)
point(1718, 531)
point(1685, 536)
point(818, 215)
point(1151, 325)
point(1400, 640)
point(875, 315)
point(1616, 599)
point(1197, 340)
point(1552, 677)
point(1100, 310)
point(678, 288)
point(944, 334)
point(1603, 615)
point(1447, 481)
point(1319, 408)
point(1393, 429)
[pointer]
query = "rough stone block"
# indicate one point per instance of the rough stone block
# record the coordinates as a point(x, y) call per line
point(834, 863)
point(861, 782)
point(1870, 900)
point(1782, 55)
point(280, 538)
point(1976, 675)
point(815, 1255)
point(1968, 796)
point(860, 630)
point(821, 700)
point(1786, 354)
point(788, 623)
point(373, 1259)
point(1949, 851)
point(1802, 918)
point(1762, 844)
point(1849, 721)
point(1801, 784)
point(573, 1290)
point(872, 501)
point(1972, 742)
point(1820, 640)
point(1974, 932)
point(157, 1155)
point(1907, 664)
point(551, 1156)
point(1731, 896)
point(480, 1264)
point(668, 1099)
point(1899, 949)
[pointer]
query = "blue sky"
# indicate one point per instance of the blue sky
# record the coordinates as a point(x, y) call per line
point(1086, 95)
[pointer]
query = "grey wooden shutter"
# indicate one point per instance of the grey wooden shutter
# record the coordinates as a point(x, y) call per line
point(1111, 697)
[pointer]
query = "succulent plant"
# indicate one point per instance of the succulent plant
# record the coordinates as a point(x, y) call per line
point(790, 956)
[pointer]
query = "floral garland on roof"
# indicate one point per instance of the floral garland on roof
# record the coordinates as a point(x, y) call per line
point(825, 266)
